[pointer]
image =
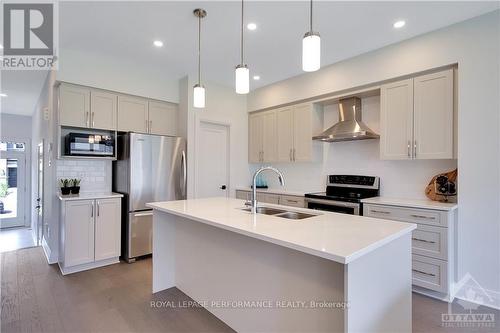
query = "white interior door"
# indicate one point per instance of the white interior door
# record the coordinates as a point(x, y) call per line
point(212, 161)
point(12, 184)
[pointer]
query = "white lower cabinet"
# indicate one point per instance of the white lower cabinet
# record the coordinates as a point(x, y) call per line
point(273, 198)
point(433, 254)
point(90, 234)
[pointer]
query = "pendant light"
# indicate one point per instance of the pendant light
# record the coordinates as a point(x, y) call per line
point(311, 47)
point(242, 73)
point(199, 89)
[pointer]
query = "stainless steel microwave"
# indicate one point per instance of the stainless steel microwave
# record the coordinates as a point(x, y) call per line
point(83, 144)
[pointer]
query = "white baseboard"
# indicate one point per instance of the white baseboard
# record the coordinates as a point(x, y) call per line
point(51, 257)
point(484, 297)
point(91, 265)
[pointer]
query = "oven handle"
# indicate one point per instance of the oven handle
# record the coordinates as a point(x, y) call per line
point(333, 203)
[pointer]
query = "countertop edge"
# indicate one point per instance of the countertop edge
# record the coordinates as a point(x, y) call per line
point(89, 196)
point(329, 256)
point(411, 203)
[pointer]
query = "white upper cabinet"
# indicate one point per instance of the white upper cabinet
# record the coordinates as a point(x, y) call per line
point(255, 138)
point(162, 118)
point(302, 133)
point(132, 114)
point(416, 118)
point(433, 119)
point(269, 151)
point(285, 132)
point(396, 120)
point(281, 135)
point(103, 110)
point(107, 229)
point(74, 106)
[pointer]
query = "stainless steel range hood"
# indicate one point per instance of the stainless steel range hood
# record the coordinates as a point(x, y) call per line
point(350, 126)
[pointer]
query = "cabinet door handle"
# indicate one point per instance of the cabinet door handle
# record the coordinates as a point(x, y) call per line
point(93, 120)
point(380, 211)
point(409, 155)
point(422, 272)
point(87, 119)
point(415, 149)
point(294, 154)
point(291, 159)
point(423, 240)
point(92, 210)
point(423, 217)
point(98, 208)
point(150, 125)
point(147, 129)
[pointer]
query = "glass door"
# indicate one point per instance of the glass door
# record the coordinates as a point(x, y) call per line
point(12, 184)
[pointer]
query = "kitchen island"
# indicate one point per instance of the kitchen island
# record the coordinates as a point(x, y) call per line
point(261, 273)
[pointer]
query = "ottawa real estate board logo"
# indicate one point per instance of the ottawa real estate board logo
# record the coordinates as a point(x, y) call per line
point(29, 36)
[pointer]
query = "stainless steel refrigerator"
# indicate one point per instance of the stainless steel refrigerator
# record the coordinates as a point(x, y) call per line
point(149, 168)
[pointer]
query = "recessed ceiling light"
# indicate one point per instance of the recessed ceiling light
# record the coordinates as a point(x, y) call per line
point(251, 26)
point(158, 43)
point(256, 77)
point(3, 95)
point(1, 46)
point(399, 24)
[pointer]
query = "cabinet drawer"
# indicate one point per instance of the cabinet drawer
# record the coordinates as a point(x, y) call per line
point(413, 215)
point(289, 200)
point(430, 273)
point(268, 198)
point(430, 241)
point(243, 195)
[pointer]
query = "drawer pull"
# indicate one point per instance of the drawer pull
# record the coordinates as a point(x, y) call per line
point(422, 272)
point(423, 217)
point(424, 240)
point(380, 211)
point(294, 201)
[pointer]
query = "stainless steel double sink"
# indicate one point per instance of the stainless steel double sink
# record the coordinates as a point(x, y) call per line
point(286, 214)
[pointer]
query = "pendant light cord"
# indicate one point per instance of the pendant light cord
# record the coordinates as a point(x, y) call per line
point(311, 15)
point(199, 49)
point(241, 32)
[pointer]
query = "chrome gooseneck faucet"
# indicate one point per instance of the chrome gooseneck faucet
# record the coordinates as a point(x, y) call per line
point(254, 184)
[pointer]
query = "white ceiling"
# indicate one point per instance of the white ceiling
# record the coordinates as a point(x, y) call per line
point(126, 30)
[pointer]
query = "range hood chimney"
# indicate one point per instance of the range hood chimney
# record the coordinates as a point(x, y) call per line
point(350, 126)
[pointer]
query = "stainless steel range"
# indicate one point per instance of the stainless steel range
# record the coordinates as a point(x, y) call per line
point(344, 194)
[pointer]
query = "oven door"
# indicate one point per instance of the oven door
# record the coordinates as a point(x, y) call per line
point(334, 206)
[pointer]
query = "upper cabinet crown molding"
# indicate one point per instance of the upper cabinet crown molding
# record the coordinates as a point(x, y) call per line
point(417, 117)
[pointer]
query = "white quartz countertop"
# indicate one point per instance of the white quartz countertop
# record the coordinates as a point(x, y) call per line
point(337, 237)
point(89, 196)
point(275, 191)
point(413, 203)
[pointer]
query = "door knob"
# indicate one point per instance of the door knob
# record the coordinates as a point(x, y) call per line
point(223, 187)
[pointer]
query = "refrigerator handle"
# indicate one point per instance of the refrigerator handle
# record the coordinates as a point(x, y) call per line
point(184, 173)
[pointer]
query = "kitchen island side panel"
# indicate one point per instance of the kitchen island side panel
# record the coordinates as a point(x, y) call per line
point(219, 268)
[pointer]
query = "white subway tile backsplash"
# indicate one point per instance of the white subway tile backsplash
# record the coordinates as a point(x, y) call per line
point(95, 175)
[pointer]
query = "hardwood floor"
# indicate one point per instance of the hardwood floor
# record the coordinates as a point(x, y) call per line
point(35, 297)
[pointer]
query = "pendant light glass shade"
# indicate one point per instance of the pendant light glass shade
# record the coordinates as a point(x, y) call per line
point(198, 96)
point(242, 79)
point(311, 52)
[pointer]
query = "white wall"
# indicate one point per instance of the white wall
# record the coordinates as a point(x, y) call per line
point(18, 129)
point(223, 105)
point(45, 129)
point(100, 71)
point(474, 46)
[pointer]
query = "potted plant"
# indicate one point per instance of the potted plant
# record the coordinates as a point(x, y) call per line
point(64, 184)
point(75, 188)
